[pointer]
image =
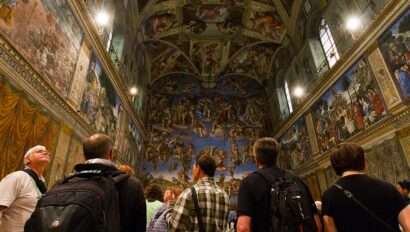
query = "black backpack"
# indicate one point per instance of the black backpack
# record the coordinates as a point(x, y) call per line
point(84, 201)
point(290, 206)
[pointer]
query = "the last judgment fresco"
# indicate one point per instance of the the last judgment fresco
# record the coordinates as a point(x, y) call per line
point(186, 120)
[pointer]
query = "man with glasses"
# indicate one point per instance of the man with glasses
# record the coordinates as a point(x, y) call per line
point(21, 190)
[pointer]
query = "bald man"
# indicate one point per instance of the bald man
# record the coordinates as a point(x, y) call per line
point(20, 191)
point(98, 151)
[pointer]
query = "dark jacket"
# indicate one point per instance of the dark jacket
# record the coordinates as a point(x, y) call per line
point(131, 199)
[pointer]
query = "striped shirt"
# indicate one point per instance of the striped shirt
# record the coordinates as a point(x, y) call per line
point(213, 204)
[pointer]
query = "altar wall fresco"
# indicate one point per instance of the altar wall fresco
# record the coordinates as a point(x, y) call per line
point(186, 120)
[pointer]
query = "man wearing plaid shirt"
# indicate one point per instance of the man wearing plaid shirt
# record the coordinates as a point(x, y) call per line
point(213, 201)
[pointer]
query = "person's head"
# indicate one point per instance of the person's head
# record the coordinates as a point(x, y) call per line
point(403, 187)
point(204, 166)
point(266, 151)
point(172, 193)
point(98, 146)
point(37, 156)
point(347, 157)
point(127, 169)
point(153, 192)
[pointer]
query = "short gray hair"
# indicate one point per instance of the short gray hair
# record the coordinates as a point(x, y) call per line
point(31, 150)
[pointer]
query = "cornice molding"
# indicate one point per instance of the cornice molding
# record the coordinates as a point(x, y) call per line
point(358, 49)
point(81, 14)
point(23, 76)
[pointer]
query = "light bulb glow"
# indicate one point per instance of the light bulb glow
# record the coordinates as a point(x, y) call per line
point(298, 91)
point(133, 91)
point(352, 23)
point(102, 18)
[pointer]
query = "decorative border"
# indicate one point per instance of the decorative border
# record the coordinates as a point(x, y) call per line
point(383, 78)
point(405, 144)
point(312, 134)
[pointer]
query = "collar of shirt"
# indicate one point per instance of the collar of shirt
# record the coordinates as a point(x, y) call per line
point(100, 161)
point(206, 180)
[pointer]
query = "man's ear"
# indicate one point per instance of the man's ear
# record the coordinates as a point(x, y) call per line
point(366, 168)
point(256, 161)
point(110, 154)
point(27, 160)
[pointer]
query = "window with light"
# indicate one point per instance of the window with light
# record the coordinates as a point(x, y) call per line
point(328, 43)
point(288, 97)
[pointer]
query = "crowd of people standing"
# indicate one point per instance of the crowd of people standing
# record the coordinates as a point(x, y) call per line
point(356, 202)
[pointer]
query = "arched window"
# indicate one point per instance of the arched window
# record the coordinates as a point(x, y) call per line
point(328, 43)
point(288, 97)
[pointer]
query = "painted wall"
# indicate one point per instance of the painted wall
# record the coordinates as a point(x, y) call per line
point(186, 120)
point(45, 34)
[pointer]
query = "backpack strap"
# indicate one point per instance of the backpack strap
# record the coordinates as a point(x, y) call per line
point(118, 178)
point(83, 174)
point(40, 184)
point(349, 195)
point(197, 211)
point(269, 177)
point(90, 173)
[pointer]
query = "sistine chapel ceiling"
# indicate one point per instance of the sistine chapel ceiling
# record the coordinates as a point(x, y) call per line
point(211, 39)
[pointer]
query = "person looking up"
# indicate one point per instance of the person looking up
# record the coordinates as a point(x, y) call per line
point(20, 190)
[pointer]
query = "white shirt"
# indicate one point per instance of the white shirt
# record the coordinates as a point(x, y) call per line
point(20, 194)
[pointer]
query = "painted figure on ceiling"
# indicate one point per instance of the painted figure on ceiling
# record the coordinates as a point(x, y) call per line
point(8, 8)
point(160, 23)
point(191, 19)
point(268, 25)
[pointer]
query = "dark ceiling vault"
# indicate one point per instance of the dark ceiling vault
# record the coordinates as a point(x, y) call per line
point(214, 38)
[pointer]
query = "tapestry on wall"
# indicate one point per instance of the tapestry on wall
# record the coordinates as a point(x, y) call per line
point(186, 120)
point(100, 103)
point(387, 161)
point(395, 47)
point(22, 126)
point(295, 145)
point(353, 104)
point(47, 35)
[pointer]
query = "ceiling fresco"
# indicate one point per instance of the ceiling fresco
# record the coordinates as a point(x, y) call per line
point(253, 61)
point(160, 23)
point(209, 39)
